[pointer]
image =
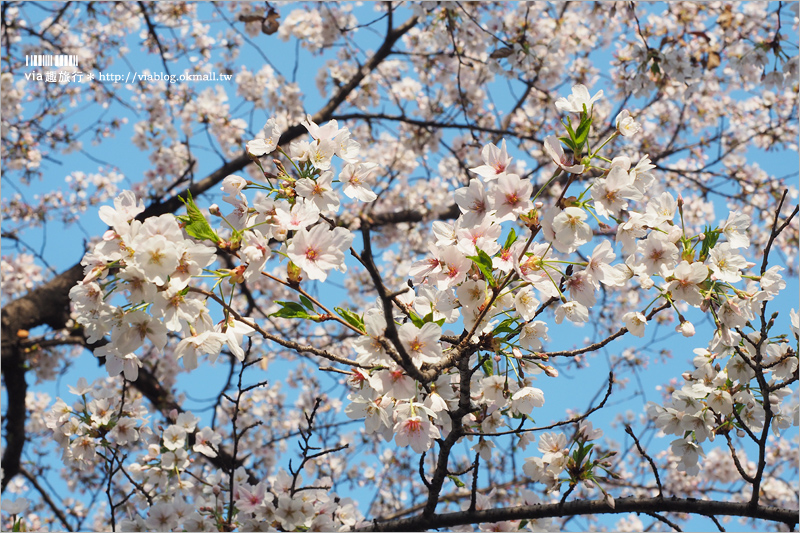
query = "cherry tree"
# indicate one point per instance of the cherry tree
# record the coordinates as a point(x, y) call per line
point(380, 242)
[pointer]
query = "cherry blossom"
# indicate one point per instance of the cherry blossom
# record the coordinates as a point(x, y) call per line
point(495, 162)
point(575, 102)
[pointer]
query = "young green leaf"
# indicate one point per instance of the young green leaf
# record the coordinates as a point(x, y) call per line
point(568, 142)
point(458, 482)
point(582, 133)
point(511, 239)
point(568, 125)
point(484, 263)
point(710, 240)
point(417, 321)
point(195, 223)
point(291, 310)
point(487, 367)
point(353, 319)
point(306, 302)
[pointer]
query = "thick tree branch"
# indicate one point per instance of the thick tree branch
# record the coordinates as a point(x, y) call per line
point(588, 507)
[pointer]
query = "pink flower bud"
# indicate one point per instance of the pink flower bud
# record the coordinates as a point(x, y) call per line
point(685, 328)
point(550, 371)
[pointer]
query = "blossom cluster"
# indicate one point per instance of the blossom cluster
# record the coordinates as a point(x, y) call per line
point(479, 271)
point(150, 264)
point(471, 275)
point(96, 423)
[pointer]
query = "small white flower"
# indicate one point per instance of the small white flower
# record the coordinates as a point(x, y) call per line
point(726, 264)
point(15, 507)
point(526, 399)
point(626, 125)
point(356, 178)
point(635, 323)
point(532, 335)
point(495, 161)
point(264, 146)
point(580, 96)
point(422, 344)
point(157, 258)
point(570, 229)
point(573, 311)
point(512, 197)
point(526, 303)
point(174, 437)
point(735, 229)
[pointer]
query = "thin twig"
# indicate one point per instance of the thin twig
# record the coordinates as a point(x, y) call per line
point(629, 431)
point(46, 497)
point(660, 518)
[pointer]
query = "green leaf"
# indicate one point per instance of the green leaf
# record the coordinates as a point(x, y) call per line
point(569, 143)
point(581, 453)
point(415, 319)
point(487, 366)
point(484, 263)
point(710, 240)
point(195, 223)
point(353, 319)
point(305, 301)
point(457, 481)
point(582, 134)
point(568, 125)
point(290, 310)
point(505, 327)
point(511, 239)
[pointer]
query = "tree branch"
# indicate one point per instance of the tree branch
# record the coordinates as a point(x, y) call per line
point(588, 507)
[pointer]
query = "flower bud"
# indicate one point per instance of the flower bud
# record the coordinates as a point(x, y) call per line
point(294, 273)
point(237, 274)
point(214, 210)
point(685, 328)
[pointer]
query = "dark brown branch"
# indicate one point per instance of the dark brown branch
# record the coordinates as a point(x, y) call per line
point(433, 124)
point(575, 420)
point(660, 518)
point(777, 230)
point(151, 29)
point(46, 497)
point(588, 507)
point(716, 523)
point(600, 344)
point(643, 453)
